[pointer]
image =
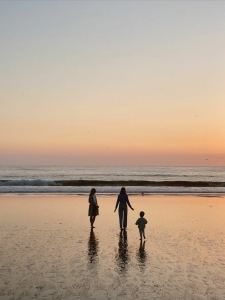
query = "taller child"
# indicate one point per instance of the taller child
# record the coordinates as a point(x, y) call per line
point(123, 201)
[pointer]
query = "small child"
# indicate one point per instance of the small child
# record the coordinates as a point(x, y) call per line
point(141, 224)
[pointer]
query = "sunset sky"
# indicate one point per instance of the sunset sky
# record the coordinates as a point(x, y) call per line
point(112, 83)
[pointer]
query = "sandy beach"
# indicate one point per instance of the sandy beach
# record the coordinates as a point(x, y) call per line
point(49, 252)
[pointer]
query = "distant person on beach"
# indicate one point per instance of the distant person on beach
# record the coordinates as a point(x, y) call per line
point(122, 201)
point(141, 224)
point(93, 210)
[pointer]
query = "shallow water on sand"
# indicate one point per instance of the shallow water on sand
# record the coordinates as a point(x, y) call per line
point(48, 250)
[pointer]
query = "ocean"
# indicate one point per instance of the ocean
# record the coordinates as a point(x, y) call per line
point(109, 180)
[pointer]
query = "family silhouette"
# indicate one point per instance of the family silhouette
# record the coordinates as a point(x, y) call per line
point(122, 202)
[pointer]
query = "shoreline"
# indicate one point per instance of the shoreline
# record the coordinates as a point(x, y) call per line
point(201, 194)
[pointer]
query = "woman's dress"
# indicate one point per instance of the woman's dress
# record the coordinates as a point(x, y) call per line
point(93, 206)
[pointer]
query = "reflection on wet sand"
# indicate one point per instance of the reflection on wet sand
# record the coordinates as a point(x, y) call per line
point(122, 256)
point(92, 247)
point(141, 254)
point(48, 251)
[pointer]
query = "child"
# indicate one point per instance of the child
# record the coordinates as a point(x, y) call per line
point(141, 224)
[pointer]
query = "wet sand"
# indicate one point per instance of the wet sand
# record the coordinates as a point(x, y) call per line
point(49, 252)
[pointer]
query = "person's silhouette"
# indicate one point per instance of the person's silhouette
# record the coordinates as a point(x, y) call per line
point(123, 201)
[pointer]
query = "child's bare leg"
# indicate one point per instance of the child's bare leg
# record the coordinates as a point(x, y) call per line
point(140, 231)
point(143, 231)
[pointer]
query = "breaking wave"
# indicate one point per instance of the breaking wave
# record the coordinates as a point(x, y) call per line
point(37, 182)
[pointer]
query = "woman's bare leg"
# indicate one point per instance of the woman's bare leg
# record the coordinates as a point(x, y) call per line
point(92, 220)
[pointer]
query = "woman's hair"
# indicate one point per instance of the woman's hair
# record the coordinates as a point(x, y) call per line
point(123, 191)
point(93, 191)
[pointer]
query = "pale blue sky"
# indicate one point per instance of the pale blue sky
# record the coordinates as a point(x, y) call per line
point(90, 73)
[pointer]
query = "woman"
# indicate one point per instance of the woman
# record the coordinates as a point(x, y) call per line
point(93, 207)
point(123, 201)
